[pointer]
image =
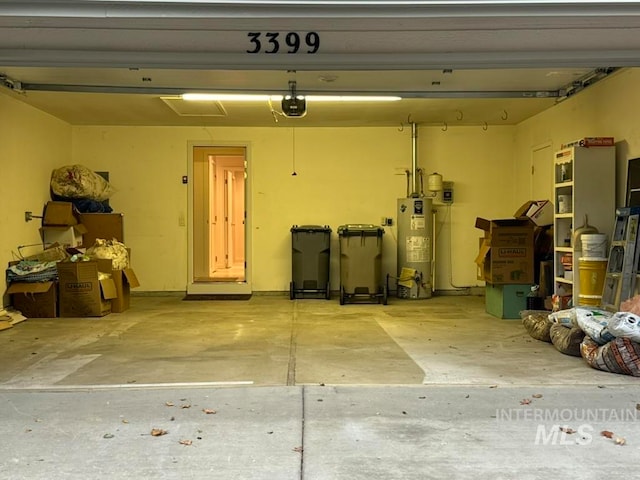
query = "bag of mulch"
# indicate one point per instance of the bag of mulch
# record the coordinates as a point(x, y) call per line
point(110, 249)
point(537, 324)
point(564, 317)
point(625, 324)
point(567, 340)
point(594, 322)
point(77, 181)
point(621, 355)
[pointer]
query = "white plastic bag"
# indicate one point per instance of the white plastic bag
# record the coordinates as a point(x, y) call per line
point(110, 249)
point(77, 181)
point(625, 324)
point(564, 317)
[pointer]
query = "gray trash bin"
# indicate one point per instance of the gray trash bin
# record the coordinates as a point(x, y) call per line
point(361, 263)
point(311, 251)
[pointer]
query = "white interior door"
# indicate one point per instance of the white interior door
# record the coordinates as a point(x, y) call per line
point(213, 216)
point(542, 173)
point(228, 218)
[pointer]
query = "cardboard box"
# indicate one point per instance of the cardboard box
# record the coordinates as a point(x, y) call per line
point(102, 225)
point(506, 252)
point(539, 212)
point(54, 253)
point(124, 280)
point(590, 142)
point(82, 293)
point(60, 214)
point(67, 236)
point(35, 300)
point(506, 301)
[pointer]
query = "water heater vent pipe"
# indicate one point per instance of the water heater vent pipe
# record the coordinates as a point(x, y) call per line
point(414, 159)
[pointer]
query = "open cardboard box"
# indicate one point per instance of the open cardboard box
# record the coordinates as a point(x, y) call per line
point(70, 236)
point(35, 299)
point(506, 251)
point(60, 214)
point(124, 281)
point(539, 212)
point(82, 292)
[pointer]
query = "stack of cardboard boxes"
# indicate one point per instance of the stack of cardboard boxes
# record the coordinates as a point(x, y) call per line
point(84, 288)
point(507, 254)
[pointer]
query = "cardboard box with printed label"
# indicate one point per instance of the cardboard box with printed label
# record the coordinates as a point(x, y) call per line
point(83, 291)
point(539, 212)
point(35, 300)
point(506, 251)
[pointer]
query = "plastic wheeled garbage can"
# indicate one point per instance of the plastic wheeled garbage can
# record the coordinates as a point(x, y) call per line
point(361, 263)
point(311, 249)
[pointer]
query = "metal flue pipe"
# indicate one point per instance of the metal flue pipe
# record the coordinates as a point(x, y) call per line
point(414, 159)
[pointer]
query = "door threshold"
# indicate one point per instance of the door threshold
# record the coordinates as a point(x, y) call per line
point(217, 296)
point(219, 288)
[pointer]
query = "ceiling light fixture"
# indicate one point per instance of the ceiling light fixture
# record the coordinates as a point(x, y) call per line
point(229, 97)
point(351, 98)
point(232, 97)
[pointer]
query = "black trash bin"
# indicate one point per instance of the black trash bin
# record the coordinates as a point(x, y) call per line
point(311, 249)
point(361, 263)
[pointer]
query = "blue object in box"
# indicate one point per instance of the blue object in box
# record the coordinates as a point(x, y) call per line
point(506, 301)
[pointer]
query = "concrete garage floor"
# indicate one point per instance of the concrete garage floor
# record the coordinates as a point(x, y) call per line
point(305, 389)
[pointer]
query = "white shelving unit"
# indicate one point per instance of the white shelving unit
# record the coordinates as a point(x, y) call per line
point(584, 185)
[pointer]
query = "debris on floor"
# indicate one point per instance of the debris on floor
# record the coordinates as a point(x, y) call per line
point(10, 317)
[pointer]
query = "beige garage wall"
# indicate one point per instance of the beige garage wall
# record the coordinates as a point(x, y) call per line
point(344, 175)
point(608, 108)
point(32, 143)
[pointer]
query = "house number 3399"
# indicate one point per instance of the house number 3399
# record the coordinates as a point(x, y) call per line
point(291, 42)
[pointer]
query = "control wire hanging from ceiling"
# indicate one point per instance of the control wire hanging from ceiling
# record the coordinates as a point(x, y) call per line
point(293, 151)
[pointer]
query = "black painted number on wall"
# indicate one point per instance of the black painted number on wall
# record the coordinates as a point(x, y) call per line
point(269, 42)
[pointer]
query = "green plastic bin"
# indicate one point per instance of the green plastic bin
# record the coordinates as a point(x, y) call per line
point(310, 251)
point(361, 263)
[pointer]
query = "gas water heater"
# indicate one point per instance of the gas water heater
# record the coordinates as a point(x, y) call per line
point(415, 237)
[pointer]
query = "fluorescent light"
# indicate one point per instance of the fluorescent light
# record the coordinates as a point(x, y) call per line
point(350, 98)
point(233, 97)
point(229, 97)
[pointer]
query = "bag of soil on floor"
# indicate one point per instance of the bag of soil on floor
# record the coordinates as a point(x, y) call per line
point(567, 340)
point(625, 324)
point(620, 355)
point(594, 322)
point(537, 324)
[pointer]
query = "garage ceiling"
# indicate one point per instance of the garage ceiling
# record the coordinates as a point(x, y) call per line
point(87, 96)
point(453, 62)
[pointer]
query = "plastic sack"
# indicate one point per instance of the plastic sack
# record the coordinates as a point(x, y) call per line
point(110, 249)
point(537, 324)
point(564, 317)
point(625, 324)
point(631, 305)
point(77, 181)
point(567, 340)
point(594, 322)
point(621, 355)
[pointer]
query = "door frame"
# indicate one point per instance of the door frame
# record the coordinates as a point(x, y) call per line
point(549, 193)
point(219, 288)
